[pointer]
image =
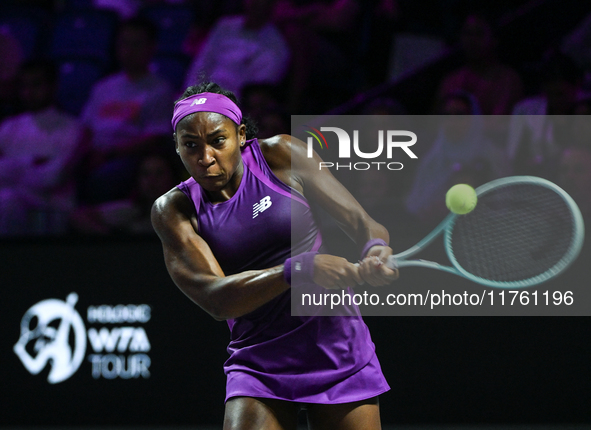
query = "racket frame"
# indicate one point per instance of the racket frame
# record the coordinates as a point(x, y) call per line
point(446, 227)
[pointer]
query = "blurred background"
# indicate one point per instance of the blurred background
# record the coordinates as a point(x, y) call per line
point(86, 95)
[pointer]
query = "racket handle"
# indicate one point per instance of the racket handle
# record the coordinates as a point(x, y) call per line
point(392, 263)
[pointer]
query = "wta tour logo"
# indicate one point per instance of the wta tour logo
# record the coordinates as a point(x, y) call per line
point(53, 334)
point(46, 338)
point(386, 139)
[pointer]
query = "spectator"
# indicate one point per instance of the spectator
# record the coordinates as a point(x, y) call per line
point(156, 175)
point(537, 129)
point(126, 9)
point(11, 56)
point(582, 104)
point(321, 34)
point(243, 49)
point(577, 44)
point(384, 106)
point(496, 86)
point(382, 21)
point(460, 148)
point(128, 113)
point(39, 150)
point(273, 122)
point(260, 98)
point(261, 103)
point(378, 115)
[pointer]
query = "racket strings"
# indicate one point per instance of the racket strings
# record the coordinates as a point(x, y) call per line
point(516, 232)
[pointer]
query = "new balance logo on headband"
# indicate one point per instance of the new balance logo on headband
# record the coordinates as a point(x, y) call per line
point(217, 103)
point(261, 206)
point(199, 101)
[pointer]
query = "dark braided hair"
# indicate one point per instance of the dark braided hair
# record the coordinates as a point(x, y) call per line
point(212, 87)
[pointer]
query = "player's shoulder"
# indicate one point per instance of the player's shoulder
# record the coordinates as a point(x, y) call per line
point(276, 150)
point(284, 152)
point(280, 142)
point(171, 206)
point(281, 148)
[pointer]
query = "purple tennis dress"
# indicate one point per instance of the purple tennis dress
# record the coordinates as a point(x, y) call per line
point(308, 359)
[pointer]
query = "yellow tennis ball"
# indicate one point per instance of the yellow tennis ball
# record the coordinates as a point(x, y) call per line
point(461, 199)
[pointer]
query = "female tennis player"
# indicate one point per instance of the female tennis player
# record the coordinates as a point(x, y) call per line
point(228, 245)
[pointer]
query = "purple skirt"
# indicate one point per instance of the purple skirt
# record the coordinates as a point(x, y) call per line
point(305, 359)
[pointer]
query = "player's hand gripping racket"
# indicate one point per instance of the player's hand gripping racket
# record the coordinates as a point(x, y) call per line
point(523, 231)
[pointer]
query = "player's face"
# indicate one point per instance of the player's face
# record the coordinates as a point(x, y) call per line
point(209, 146)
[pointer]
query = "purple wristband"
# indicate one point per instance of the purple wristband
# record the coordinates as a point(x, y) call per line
point(369, 244)
point(299, 268)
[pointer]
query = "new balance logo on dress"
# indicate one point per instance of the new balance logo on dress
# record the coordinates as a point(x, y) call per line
point(261, 206)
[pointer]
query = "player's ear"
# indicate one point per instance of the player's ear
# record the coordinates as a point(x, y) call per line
point(176, 144)
point(242, 134)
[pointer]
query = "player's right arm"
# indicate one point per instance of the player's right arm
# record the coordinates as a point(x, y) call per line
point(195, 270)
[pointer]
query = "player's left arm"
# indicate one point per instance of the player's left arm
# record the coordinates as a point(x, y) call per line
point(287, 157)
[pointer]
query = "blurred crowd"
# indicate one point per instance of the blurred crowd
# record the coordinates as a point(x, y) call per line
point(87, 89)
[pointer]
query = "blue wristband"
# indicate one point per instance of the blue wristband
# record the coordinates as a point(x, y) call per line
point(299, 268)
point(369, 244)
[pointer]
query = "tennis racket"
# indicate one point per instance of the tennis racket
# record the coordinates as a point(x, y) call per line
point(524, 230)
